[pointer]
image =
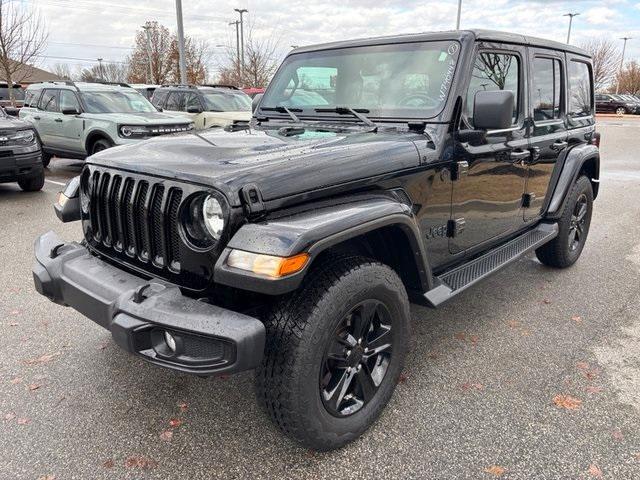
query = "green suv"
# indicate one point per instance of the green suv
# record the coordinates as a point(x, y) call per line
point(75, 120)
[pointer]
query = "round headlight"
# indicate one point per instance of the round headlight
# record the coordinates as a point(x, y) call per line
point(213, 216)
point(126, 131)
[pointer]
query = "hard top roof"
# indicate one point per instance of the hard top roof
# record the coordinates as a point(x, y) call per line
point(477, 34)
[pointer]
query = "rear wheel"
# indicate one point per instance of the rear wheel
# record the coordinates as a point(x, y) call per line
point(564, 250)
point(32, 184)
point(335, 350)
point(100, 145)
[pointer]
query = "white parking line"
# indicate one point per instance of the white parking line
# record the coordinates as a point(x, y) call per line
point(54, 182)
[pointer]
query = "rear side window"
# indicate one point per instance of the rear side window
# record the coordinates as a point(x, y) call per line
point(68, 101)
point(31, 98)
point(175, 102)
point(158, 98)
point(580, 89)
point(49, 101)
point(547, 89)
point(495, 71)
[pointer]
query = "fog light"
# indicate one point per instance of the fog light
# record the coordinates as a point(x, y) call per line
point(171, 342)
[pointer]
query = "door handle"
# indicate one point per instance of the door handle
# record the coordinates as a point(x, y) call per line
point(36, 118)
point(59, 120)
point(559, 145)
point(519, 155)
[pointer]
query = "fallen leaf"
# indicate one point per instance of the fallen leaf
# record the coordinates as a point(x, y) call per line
point(34, 386)
point(617, 434)
point(183, 406)
point(460, 336)
point(514, 324)
point(167, 435)
point(472, 386)
point(108, 463)
point(567, 401)
point(175, 422)
point(14, 324)
point(16, 380)
point(403, 378)
point(47, 477)
point(43, 359)
point(594, 471)
point(593, 389)
point(9, 416)
point(576, 319)
point(103, 345)
point(14, 312)
point(582, 365)
point(546, 301)
point(222, 376)
point(24, 421)
point(141, 462)
point(496, 470)
point(433, 355)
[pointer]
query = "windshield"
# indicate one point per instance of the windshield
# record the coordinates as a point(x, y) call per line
point(409, 80)
point(18, 93)
point(116, 102)
point(232, 101)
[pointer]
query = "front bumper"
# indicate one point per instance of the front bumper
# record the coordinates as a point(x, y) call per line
point(14, 166)
point(208, 339)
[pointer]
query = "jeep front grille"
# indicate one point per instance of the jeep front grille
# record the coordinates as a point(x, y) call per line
point(135, 219)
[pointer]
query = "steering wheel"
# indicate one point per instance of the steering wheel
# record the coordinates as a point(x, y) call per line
point(416, 100)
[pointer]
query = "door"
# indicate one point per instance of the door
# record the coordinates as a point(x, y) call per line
point(44, 118)
point(489, 178)
point(67, 129)
point(548, 139)
point(199, 119)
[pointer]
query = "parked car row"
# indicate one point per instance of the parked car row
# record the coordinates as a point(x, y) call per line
point(77, 119)
point(618, 104)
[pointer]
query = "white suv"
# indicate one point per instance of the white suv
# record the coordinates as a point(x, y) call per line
point(75, 120)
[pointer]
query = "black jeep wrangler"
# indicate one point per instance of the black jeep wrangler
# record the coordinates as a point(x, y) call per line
point(374, 173)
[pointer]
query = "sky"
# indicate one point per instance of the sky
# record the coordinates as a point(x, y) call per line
point(80, 31)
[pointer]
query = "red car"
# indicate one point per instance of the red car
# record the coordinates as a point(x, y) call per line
point(252, 92)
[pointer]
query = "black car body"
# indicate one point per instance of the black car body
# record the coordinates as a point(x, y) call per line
point(20, 154)
point(433, 180)
point(618, 104)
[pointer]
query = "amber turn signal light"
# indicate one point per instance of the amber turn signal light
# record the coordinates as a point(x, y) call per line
point(268, 265)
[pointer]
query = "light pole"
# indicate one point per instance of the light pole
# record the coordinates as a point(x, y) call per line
point(624, 48)
point(146, 29)
point(181, 59)
point(241, 11)
point(570, 15)
point(459, 14)
point(237, 24)
point(100, 69)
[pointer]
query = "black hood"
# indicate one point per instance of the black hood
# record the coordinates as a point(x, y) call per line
point(279, 165)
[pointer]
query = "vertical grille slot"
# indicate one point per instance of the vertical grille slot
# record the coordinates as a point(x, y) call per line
point(93, 209)
point(156, 228)
point(141, 221)
point(113, 204)
point(127, 217)
point(103, 217)
point(173, 235)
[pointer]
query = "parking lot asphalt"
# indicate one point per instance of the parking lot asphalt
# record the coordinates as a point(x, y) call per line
point(534, 373)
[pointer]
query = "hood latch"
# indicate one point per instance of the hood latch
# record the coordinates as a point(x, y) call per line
point(252, 200)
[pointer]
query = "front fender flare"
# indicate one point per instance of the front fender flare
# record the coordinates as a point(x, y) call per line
point(314, 231)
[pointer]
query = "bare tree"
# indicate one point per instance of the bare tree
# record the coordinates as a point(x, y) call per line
point(23, 37)
point(629, 78)
point(261, 62)
point(107, 72)
point(606, 60)
point(163, 56)
point(63, 70)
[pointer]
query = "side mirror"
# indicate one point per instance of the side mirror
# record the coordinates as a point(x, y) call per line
point(70, 111)
point(256, 101)
point(493, 110)
point(67, 207)
point(194, 109)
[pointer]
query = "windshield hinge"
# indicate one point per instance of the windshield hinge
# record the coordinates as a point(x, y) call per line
point(252, 200)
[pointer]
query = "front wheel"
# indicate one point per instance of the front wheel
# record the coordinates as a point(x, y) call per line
point(564, 250)
point(32, 184)
point(100, 145)
point(621, 111)
point(335, 350)
point(46, 159)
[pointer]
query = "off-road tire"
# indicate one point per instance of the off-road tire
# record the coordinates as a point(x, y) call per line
point(100, 145)
point(32, 184)
point(300, 326)
point(558, 252)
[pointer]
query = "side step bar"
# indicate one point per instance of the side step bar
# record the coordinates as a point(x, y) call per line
point(460, 278)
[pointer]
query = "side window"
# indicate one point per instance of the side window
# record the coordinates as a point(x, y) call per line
point(158, 98)
point(495, 71)
point(580, 89)
point(193, 101)
point(175, 102)
point(546, 89)
point(31, 98)
point(49, 101)
point(68, 101)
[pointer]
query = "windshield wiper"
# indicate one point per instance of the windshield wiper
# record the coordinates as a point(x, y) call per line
point(348, 110)
point(288, 111)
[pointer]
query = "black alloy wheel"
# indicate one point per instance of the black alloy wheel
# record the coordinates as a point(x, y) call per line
point(578, 223)
point(357, 359)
